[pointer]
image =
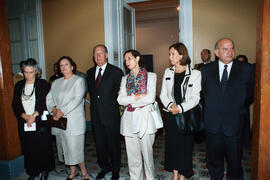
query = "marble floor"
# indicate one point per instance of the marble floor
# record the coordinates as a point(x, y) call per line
point(199, 164)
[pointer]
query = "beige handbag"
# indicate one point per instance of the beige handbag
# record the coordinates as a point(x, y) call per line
point(156, 115)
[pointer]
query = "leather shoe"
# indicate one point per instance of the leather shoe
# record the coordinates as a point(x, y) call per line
point(102, 174)
point(31, 178)
point(115, 176)
point(43, 177)
point(86, 176)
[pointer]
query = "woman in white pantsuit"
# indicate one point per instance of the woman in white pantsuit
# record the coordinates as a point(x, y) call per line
point(65, 99)
point(137, 93)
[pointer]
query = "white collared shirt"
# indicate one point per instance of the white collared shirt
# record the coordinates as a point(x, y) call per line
point(207, 62)
point(102, 71)
point(221, 69)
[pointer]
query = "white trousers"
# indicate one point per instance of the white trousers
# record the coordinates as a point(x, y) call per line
point(139, 153)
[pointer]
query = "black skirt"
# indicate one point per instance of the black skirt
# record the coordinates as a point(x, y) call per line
point(38, 152)
point(178, 148)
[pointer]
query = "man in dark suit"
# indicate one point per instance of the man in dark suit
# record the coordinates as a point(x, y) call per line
point(103, 84)
point(227, 88)
point(206, 58)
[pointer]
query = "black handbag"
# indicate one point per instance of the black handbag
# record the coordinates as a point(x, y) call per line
point(191, 121)
point(61, 123)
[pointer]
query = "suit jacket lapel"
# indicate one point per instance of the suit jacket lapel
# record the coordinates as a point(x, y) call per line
point(232, 76)
point(234, 73)
point(93, 79)
point(171, 76)
point(216, 74)
point(105, 75)
point(187, 75)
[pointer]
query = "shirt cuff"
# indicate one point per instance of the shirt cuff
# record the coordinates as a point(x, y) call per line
point(169, 105)
point(181, 108)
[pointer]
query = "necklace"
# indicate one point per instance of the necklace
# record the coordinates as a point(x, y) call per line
point(26, 97)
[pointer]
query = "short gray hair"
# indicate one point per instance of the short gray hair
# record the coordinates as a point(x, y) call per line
point(100, 45)
point(30, 62)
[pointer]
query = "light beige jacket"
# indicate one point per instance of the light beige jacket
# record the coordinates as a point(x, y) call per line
point(68, 95)
point(142, 117)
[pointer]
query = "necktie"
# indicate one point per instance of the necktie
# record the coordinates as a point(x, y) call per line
point(98, 80)
point(224, 79)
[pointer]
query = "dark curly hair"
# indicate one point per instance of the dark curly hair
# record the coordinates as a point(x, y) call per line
point(72, 63)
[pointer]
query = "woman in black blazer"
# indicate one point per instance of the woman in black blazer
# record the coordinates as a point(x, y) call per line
point(29, 103)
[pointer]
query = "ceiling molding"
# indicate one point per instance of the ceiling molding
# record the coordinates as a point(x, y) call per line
point(154, 4)
point(152, 20)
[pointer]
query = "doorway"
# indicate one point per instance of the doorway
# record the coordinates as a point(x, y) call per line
point(119, 20)
point(157, 27)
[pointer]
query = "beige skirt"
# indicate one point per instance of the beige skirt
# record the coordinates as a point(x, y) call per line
point(70, 148)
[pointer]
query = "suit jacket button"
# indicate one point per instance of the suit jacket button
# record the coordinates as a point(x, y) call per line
point(97, 96)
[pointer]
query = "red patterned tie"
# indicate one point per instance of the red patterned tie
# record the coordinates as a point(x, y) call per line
point(98, 80)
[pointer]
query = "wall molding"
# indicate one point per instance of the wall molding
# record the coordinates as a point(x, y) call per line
point(108, 29)
point(185, 26)
point(41, 53)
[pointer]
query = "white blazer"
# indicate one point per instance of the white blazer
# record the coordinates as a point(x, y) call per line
point(68, 95)
point(192, 97)
point(141, 117)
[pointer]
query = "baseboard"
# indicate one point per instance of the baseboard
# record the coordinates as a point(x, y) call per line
point(11, 169)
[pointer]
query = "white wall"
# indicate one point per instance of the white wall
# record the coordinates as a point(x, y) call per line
point(155, 38)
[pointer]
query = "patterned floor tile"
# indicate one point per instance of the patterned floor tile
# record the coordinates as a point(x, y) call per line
point(199, 162)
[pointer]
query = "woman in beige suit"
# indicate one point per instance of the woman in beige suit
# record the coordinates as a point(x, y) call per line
point(137, 93)
point(65, 99)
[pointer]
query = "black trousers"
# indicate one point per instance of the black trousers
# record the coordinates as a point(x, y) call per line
point(108, 147)
point(218, 147)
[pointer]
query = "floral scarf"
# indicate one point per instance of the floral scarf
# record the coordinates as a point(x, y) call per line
point(136, 85)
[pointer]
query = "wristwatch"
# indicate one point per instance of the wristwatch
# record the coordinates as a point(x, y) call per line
point(35, 114)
